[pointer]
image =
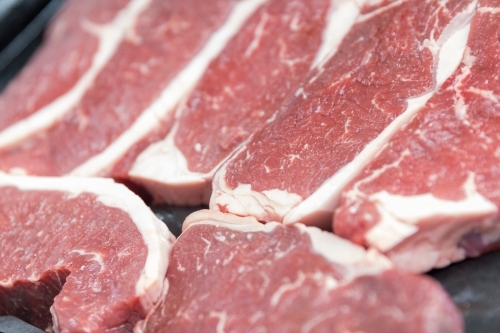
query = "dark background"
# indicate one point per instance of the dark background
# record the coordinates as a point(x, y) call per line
point(473, 284)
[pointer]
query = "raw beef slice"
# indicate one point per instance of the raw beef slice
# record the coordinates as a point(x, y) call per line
point(431, 197)
point(67, 61)
point(389, 64)
point(79, 255)
point(166, 47)
point(233, 274)
point(241, 89)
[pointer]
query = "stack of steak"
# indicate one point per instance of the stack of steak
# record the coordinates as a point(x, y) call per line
point(374, 119)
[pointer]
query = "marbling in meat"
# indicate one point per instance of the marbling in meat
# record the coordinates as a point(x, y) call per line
point(79, 255)
point(242, 89)
point(394, 58)
point(133, 83)
point(431, 196)
point(233, 274)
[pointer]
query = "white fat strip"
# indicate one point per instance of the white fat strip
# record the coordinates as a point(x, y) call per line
point(452, 43)
point(222, 316)
point(233, 222)
point(354, 193)
point(34, 277)
point(354, 258)
point(319, 318)
point(337, 250)
point(378, 11)
point(460, 106)
point(275, 298)
point(486, 94)
point(327, 281)
point(266, 205)
point(243, 200)
point(489, 10)
point(110, 36)
point(7, 283)
point(95, 257)
point(156, 236)
point(163, 162)
point(341, 18)
point(327, 197)
point(259, 30)
point(400, 215)
point(177, 90)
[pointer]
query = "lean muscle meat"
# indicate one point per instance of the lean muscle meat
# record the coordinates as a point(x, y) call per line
point(389, 64)
point(79, 255)
point(241, 89)
point(431, 197)
point(233, 274)
point(62, 70)
point(148, 58)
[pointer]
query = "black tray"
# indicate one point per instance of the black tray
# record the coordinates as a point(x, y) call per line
point(473, 284)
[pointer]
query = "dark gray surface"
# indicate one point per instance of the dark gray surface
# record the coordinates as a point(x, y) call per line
point(11, 324)
point(174, 216)
point(474, 285)
point(21, 33)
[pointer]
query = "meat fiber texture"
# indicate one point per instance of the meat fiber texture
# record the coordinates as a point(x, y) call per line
point(137, 66)
point(431, 196)
point(79, 255)
point(394, 58)
point(233, 274)
point(64, 61)
point(242, 88)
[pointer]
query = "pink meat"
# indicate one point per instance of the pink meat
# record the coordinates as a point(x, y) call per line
point(165, 38)
point(72, 261)
point(344, 104)
point(65, 57)
point(248, 82)
point(254, 278)
point(447, 155)
point(241, 89)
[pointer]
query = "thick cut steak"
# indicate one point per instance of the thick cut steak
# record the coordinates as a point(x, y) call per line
point(79, 255)
point(165, 48)
point(233, 274)
point(66, 63)
point(392, 60)
point(431, 197)
point(241, 89)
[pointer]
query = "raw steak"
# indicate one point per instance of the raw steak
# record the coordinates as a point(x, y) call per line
point(166, 49)
point(80, 44)
point(68, 63)
point(388, 65)
point(240, 91)
point(88, 250)
point(431, 197)
point(233, 274)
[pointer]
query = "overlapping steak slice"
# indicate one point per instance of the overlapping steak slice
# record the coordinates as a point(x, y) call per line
point(79, 255)
point(233, 274)
point(241, 90)
point(68, 60)
point(431, 196)
point(389, 64)
point(99, 126)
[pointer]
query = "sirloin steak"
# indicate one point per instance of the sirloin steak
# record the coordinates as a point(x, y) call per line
point(129, 90)
point(388, 65)
point(241, 89)
point(66, 65)
point(233, 274)
point(431, 196)
point(79, 255)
